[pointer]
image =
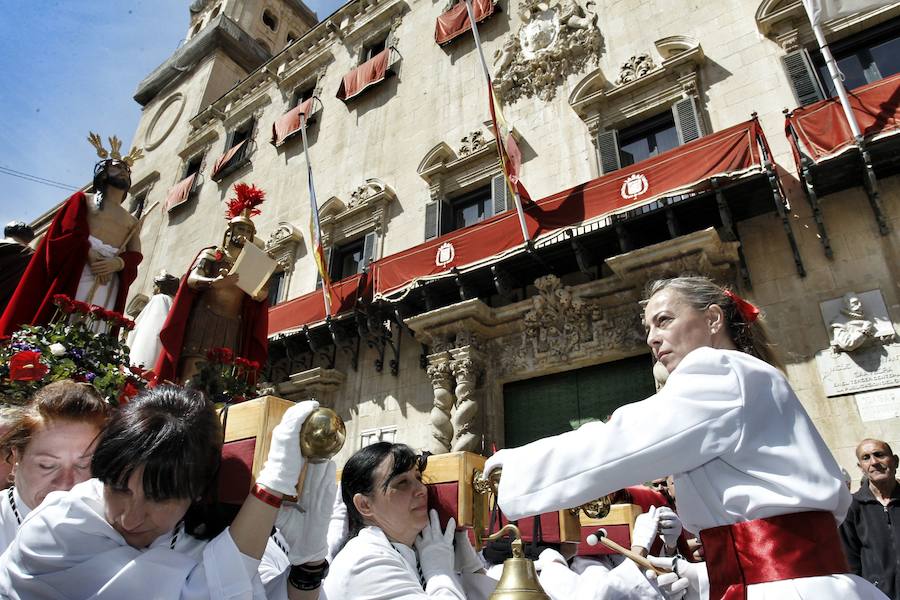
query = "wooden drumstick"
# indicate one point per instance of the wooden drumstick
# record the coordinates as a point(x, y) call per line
point(601, 538)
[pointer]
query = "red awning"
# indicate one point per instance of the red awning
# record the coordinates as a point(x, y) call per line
point(822, 129)
point(179, 194)
point(455, 21)
point(292, 315)
point(290, 121)
point(732, 153)
point(369, 73)
point(223, 160)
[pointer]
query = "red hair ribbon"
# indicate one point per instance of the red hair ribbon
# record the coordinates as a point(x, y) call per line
point(748, 311)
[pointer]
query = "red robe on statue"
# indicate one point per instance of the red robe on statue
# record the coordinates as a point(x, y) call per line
point(254, 322)
point(56, 268)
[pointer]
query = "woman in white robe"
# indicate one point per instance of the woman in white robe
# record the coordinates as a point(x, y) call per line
point(727, 424)
point(138, 529)
point(50, 441)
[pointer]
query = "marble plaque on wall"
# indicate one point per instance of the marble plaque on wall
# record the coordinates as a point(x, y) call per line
point(872, 368)
point(879, 405)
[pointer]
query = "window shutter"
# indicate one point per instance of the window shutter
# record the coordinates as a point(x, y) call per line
point(608, 149)
point(389, 40)
point(327, 267)
point(803, 77)
point(687, 120)
point(499, 193)
point(431, 219)
point(368, 250)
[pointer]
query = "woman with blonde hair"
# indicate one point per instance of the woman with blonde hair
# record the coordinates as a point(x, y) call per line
point(754, 477)
point(49, 442)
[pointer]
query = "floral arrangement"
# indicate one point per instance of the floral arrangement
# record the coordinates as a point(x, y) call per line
point(70, 347)
point(224, 377)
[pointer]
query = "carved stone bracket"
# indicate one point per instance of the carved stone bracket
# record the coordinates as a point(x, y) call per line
point(467, 365)
point(282, 245)
point(317, 383)
point(439, 372)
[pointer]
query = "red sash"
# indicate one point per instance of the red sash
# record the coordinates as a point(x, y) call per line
point(788, 546)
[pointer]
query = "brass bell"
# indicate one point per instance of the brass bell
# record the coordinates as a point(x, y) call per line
point(322, 435)
point(519, 580)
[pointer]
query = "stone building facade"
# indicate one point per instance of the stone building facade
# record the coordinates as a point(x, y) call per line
point(519, 348)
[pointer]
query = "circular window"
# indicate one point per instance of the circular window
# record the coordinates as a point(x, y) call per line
point(270, 20)
point(164, 121)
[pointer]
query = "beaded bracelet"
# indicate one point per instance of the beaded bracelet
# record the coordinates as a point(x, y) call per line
point(306, 578)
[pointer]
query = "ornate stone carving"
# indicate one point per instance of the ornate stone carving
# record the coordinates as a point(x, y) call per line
point(471, 143)
point(466, 367)
point(283, 243)
point(635, 68)
point(559, 322)
point(440, 374)
point(372, 187)
point(620, 328)
point(557, 38)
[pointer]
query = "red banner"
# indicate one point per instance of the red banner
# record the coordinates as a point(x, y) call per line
point(310, 308)
point(822, 128)
point(369, 73)
point(290, 121)
point(223, 160)
point(179, 194)
point(455, 21)
point(731, 153)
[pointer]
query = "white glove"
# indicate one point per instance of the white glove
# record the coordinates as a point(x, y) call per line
point(695, 573)
point(465, 558)
point(670, 585)
point(494, 462)
point(547, 557)
point(645, 527)
point(670, 526)
point(304, 525)
point(282, 469)
point(435, 547)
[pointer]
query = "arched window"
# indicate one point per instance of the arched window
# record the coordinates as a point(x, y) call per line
point(270, 20)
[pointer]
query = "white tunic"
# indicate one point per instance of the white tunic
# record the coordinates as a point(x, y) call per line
point(143, 340)
point(65, 549)
point(9, 524)
point(370, 567)
point(733, 433)
point(105, 294)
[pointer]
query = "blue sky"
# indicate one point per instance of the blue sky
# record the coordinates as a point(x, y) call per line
point(69, 67)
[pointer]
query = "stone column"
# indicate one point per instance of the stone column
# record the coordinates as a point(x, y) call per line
point(439, 372)
point(467, 366)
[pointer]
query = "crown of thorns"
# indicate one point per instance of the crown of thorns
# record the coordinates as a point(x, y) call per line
point(115, 148)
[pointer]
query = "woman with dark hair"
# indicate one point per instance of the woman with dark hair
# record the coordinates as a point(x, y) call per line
point(139, 528)
point(49, 441)
point(395, 549)
point(754, 477)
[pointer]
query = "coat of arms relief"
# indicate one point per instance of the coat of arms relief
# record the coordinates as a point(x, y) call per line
point(557, 38)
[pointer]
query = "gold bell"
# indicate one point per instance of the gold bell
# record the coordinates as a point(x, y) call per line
point(519, 580)
point(322, 435)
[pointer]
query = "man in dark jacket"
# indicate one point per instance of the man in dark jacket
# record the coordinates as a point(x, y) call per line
point(871, 531)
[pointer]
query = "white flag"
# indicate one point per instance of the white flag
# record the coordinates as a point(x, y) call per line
point(822, 11)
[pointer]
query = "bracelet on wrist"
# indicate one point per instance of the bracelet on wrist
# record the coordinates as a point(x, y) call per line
point(305, 577)
point(264, 495)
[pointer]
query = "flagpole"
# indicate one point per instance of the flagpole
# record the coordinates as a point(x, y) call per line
point(835, 74)
point(317, 242)
point(487, 75)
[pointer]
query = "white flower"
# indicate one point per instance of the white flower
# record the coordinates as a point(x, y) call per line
point(57, 349)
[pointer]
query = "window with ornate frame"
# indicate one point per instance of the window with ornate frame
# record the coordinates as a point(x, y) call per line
point(632, 118)
point(465, 186)
point(140, 192)
point(283, 245)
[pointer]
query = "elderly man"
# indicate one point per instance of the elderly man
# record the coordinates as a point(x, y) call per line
point(871, 531)
point(15, 253)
